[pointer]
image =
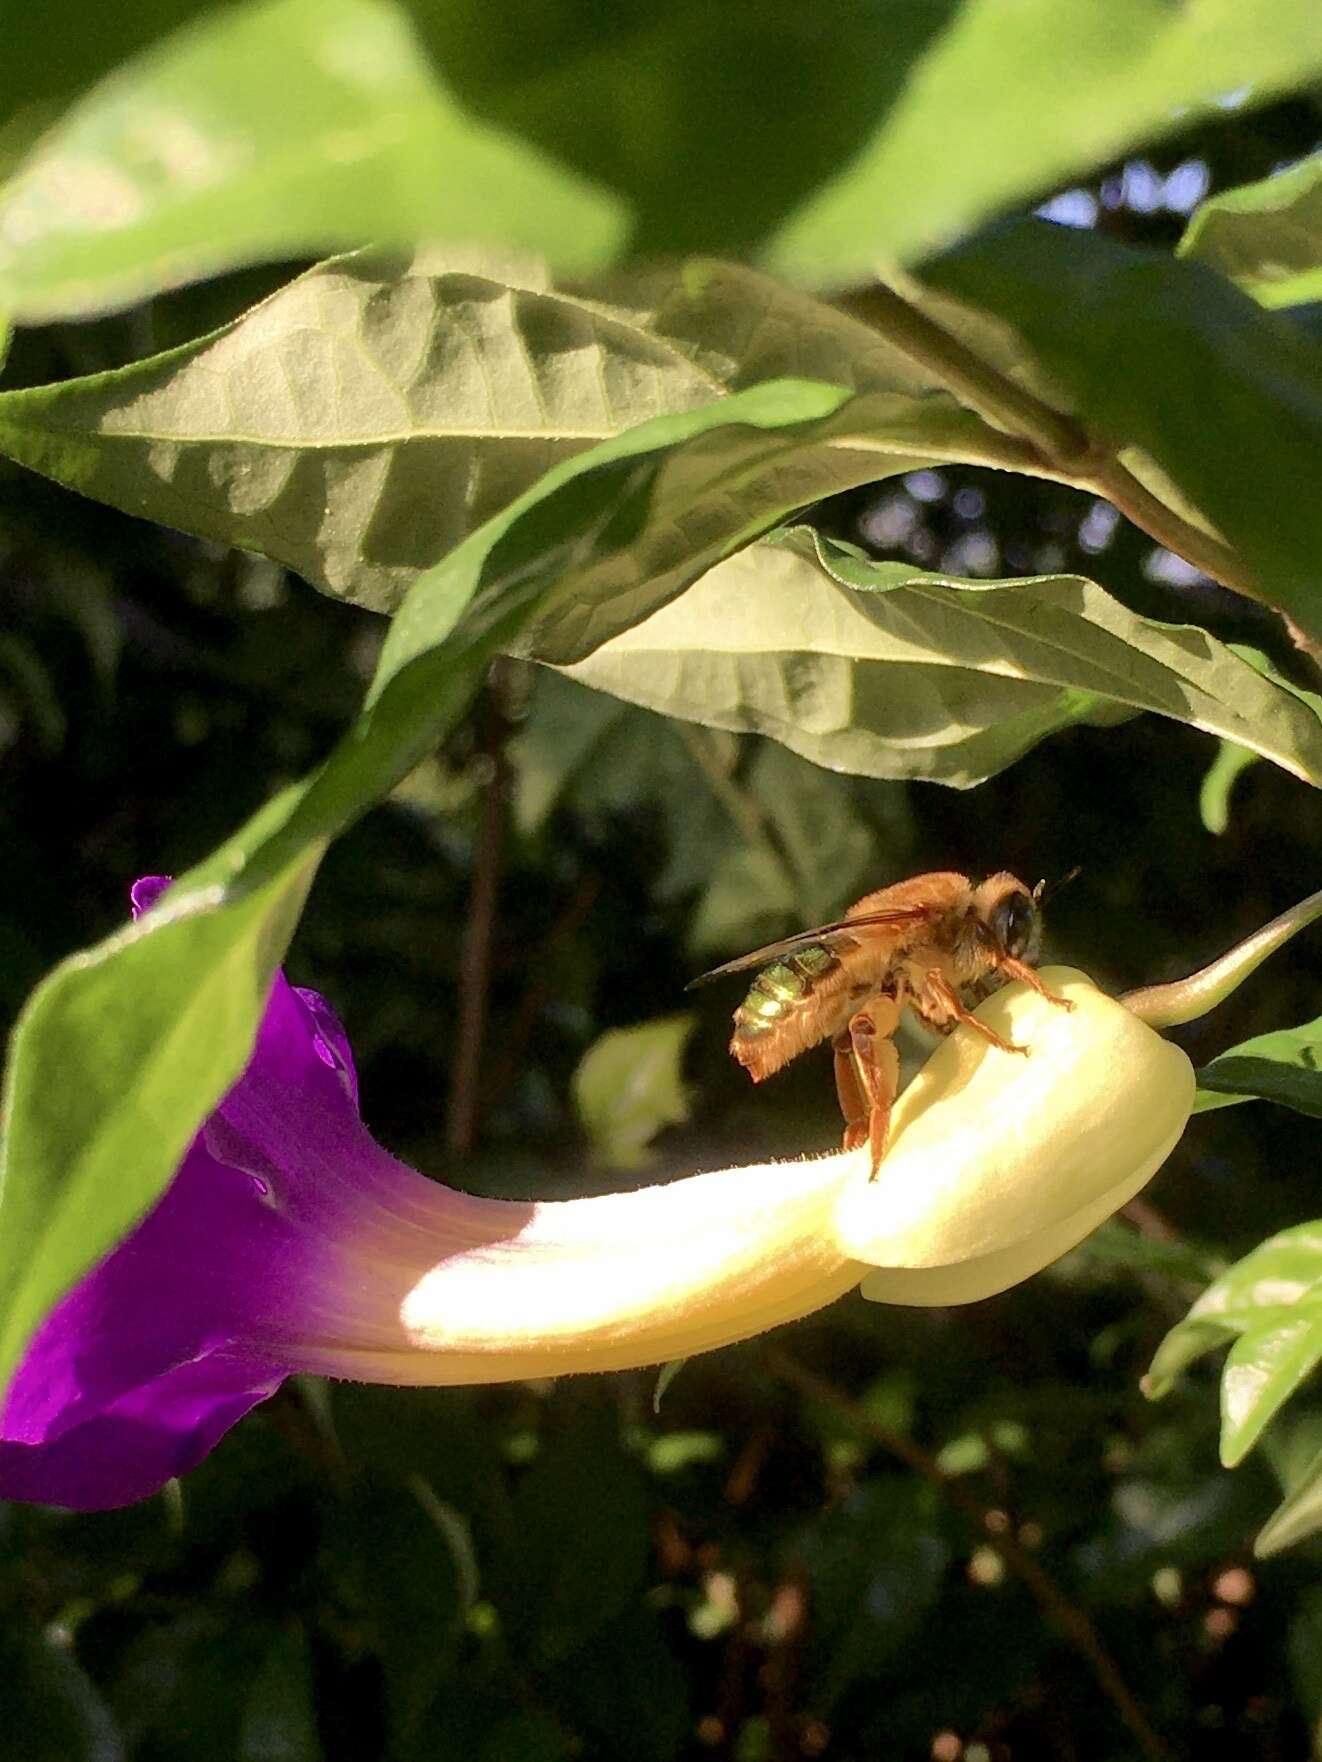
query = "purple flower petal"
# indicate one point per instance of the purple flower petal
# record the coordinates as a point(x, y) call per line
point(200, 1313)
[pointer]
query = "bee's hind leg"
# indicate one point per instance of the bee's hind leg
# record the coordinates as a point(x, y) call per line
point(867, 1074)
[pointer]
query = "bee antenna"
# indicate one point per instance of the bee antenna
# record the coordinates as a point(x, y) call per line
point(1041, 890)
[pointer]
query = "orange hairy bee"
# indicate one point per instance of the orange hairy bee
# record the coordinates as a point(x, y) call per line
point(918, 944)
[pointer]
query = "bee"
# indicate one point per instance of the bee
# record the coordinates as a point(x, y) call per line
point(916, 945)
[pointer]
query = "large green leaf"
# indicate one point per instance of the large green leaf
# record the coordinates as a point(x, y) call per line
point(271, 130)
point(1270, 1305)
point(883, 670)
point(97, 1115)
point(1000, 106)
point(1266, 237)
point(1179, 370)
point(368, 416)
point(814, 139)
point(1284, 1066)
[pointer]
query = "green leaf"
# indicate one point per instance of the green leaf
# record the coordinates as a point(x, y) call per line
point(280, 1708)
point(986, 115)
point(765, 840)
point(628, 1087)
point(660, 135)
point(51, 1700)
point(53, 53)
point(1283, 1066)
point(1304, 1649)
point(272, 130)
point(883, 670)
point(156, 1021)
point(1270, 1305)
point(821, 140)
point(875, 1566)
point(1219, 781)
point(1266, 237)
point(1299, 1515)
point(121, 1053)
point(575, 1563)
point(1083, 304)
point(368, 416)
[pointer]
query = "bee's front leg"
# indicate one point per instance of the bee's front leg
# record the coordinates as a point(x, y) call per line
point(941, 1006)
point(1013, 969)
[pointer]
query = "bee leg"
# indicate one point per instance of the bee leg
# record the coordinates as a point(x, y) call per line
point(944, 1002)
point(1013, 969)
point(876, 1065)
point(853, 1104)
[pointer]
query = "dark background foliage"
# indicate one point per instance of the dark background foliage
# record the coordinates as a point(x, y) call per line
point(881, 1533)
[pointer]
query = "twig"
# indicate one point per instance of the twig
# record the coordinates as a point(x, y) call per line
point(539, 989)
point(1066, 450)
point(1070, 1621)
point(464, 1112)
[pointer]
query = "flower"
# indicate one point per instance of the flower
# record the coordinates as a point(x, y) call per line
point(290, 1241)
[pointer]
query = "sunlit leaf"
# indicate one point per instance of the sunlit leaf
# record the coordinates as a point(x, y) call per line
point(368, 416)
point(1266, 236)
point(157, 1023)
point(273, 130)
point(886, 671)
point(1124, 334)
point(988, 114)
point(1270, 1306)
point(628, 1087)
point(654, 137)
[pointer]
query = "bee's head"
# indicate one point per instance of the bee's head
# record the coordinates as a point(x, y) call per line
point(1012, 914)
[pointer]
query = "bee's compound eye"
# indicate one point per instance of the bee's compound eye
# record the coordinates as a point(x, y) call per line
point(1015, 922)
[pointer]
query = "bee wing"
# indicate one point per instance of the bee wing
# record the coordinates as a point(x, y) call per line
point(842, 934)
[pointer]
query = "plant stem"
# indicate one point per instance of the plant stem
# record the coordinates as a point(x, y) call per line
point(1065, 1616)
point(1066, 451)
point(463, 1114)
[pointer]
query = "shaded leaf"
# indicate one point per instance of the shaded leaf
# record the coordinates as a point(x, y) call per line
point(279, 1714)
point(764, 840)
point(875, 1566)
point(1083, 304)
point(627, 1688)
point(1266, 236)
point(1299, 1515)
point(364, 419)
point(1304, 1650)
point(122, 1050)
point(1283, 1066)
point(580, 1542)
point(203, 153)
point(1270, 1306)
point(396, 1571)
point(50, 1700)
point(628, 1087)
point(883, 670)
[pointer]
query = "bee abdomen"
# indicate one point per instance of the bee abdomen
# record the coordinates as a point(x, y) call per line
point(778, 1003)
